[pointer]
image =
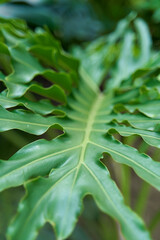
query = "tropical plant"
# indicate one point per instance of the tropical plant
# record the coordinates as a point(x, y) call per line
point(115, 91)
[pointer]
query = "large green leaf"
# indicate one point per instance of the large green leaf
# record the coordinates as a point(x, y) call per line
point(74, 161)
point(59, 173)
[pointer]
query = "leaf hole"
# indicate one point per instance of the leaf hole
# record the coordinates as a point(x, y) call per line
point(46, 232)
point(39, 79)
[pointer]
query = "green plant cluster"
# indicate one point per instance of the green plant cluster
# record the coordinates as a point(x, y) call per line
point(114, 90)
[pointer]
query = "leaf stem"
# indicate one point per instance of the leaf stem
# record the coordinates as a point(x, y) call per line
point(143, 147)
point(155, 220)
point(126, 182)
point(126, 173)
point(142, 198)
point(16, 139)
point(144, 192)
point(156, 154)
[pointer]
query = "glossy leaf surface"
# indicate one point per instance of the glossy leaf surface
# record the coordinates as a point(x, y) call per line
point(59, 173)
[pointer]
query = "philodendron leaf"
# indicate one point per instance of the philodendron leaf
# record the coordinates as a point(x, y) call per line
point(74, 159)
point(32, 81)
point(59, 173)
point(25, 72)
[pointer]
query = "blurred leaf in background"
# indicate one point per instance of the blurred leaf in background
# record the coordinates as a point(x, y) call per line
point(150, 11)
point(150, 6)
point(70, 20)
point(82, 20)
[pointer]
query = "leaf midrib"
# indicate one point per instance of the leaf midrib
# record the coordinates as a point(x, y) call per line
point(91, 118)
point(92, 114)
point(88, 129)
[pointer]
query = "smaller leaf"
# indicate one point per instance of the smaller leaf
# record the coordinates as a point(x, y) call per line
point(152, 138)
point(43, 106)
point(25, 121)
